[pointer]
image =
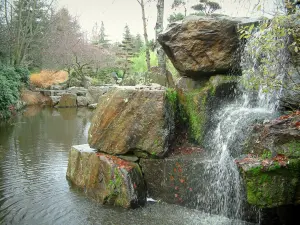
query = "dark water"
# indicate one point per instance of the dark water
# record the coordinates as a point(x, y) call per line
point(33, 187)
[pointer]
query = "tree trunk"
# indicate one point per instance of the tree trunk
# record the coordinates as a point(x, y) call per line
point(158, 29)
point(142, 4)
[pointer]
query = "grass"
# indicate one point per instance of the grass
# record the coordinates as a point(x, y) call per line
point(46, 78)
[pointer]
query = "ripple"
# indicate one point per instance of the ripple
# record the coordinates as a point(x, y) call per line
point(34, 189)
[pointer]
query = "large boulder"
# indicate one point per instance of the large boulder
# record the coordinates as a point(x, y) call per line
point(201, 46)
point(133, 119)
point(67, 101)
point(105, 178)
point(271, 170)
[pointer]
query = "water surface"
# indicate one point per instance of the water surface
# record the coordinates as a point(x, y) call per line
point(33, 187)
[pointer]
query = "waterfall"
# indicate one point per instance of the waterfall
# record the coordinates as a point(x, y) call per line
point(224, 192)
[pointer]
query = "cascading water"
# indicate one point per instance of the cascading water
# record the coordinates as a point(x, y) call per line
point(224, 192)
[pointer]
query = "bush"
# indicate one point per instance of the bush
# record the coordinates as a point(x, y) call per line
point(24, 74)
point(10, 82)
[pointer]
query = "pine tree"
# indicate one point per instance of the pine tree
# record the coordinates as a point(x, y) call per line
point(103, 41)
point(138, 43)
point(127, 50)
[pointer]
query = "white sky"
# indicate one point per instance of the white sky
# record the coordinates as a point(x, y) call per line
point(117, 13)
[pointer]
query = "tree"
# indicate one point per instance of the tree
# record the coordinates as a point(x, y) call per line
point(29, 21)
point(127, 51)
point(99, 36)
point(103, 37)
point(175, 17)
point(142, 4)
point(178, 3)
point(207, 7)
point(158, 29)
point(138, 43)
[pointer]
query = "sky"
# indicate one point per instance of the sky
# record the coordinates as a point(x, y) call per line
point(115, 14)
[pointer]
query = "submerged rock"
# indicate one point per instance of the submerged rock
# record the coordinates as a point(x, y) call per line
point(133, 119)
point(67, 101)
point(202, 46)
point(106, 178)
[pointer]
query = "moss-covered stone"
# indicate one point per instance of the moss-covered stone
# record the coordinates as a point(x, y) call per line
point(273, 187)
point(272, 173)
point(105, 178)
point(196, 105)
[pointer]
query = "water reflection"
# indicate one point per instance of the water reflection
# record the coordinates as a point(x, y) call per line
point(33, 188)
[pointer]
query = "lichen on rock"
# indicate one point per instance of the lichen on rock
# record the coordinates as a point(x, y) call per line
point(106, 178)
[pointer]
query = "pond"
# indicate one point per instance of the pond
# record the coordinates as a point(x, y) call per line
point(33, 187)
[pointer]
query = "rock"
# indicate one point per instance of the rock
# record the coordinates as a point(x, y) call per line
point(131, 158)
point(272, 169)
point(174, 180)
point(82, 101)
point(130, 119)
point(79, 91)
point(34, 98)
point(57, 87)
point(67, 100)
point(94, 92)
point(55, 100)
point(199, 99)
point(105, 178)
point(156, 76)
point(272, 186)
point(202, 46)
point(92, 106)
point(290, 97)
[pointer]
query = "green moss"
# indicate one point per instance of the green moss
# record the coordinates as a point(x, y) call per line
point(292, 149)
point(196, 113)
point(272, 187)
point(172, 97)
point(115, 186)
point(266, 154)
point(255, 170)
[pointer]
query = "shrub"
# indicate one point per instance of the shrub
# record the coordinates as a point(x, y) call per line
point(24, 74)
point(10, 82)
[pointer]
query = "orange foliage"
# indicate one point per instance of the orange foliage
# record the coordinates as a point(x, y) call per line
point(46, 78)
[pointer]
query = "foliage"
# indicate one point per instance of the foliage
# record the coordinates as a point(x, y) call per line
point(139, 61)
point(275, 44)
point(207, 7)
point(178, 3)
point(46, 78)
point(99, 36)
point(24, 74)
point(10, 83)
point(175, 17)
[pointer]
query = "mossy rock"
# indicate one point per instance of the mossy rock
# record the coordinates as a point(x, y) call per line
point(198, 99)
point(106, 178)
point(273, 187)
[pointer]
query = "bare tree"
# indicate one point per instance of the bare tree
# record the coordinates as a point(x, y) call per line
point(142, 4)
point(158, 29)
